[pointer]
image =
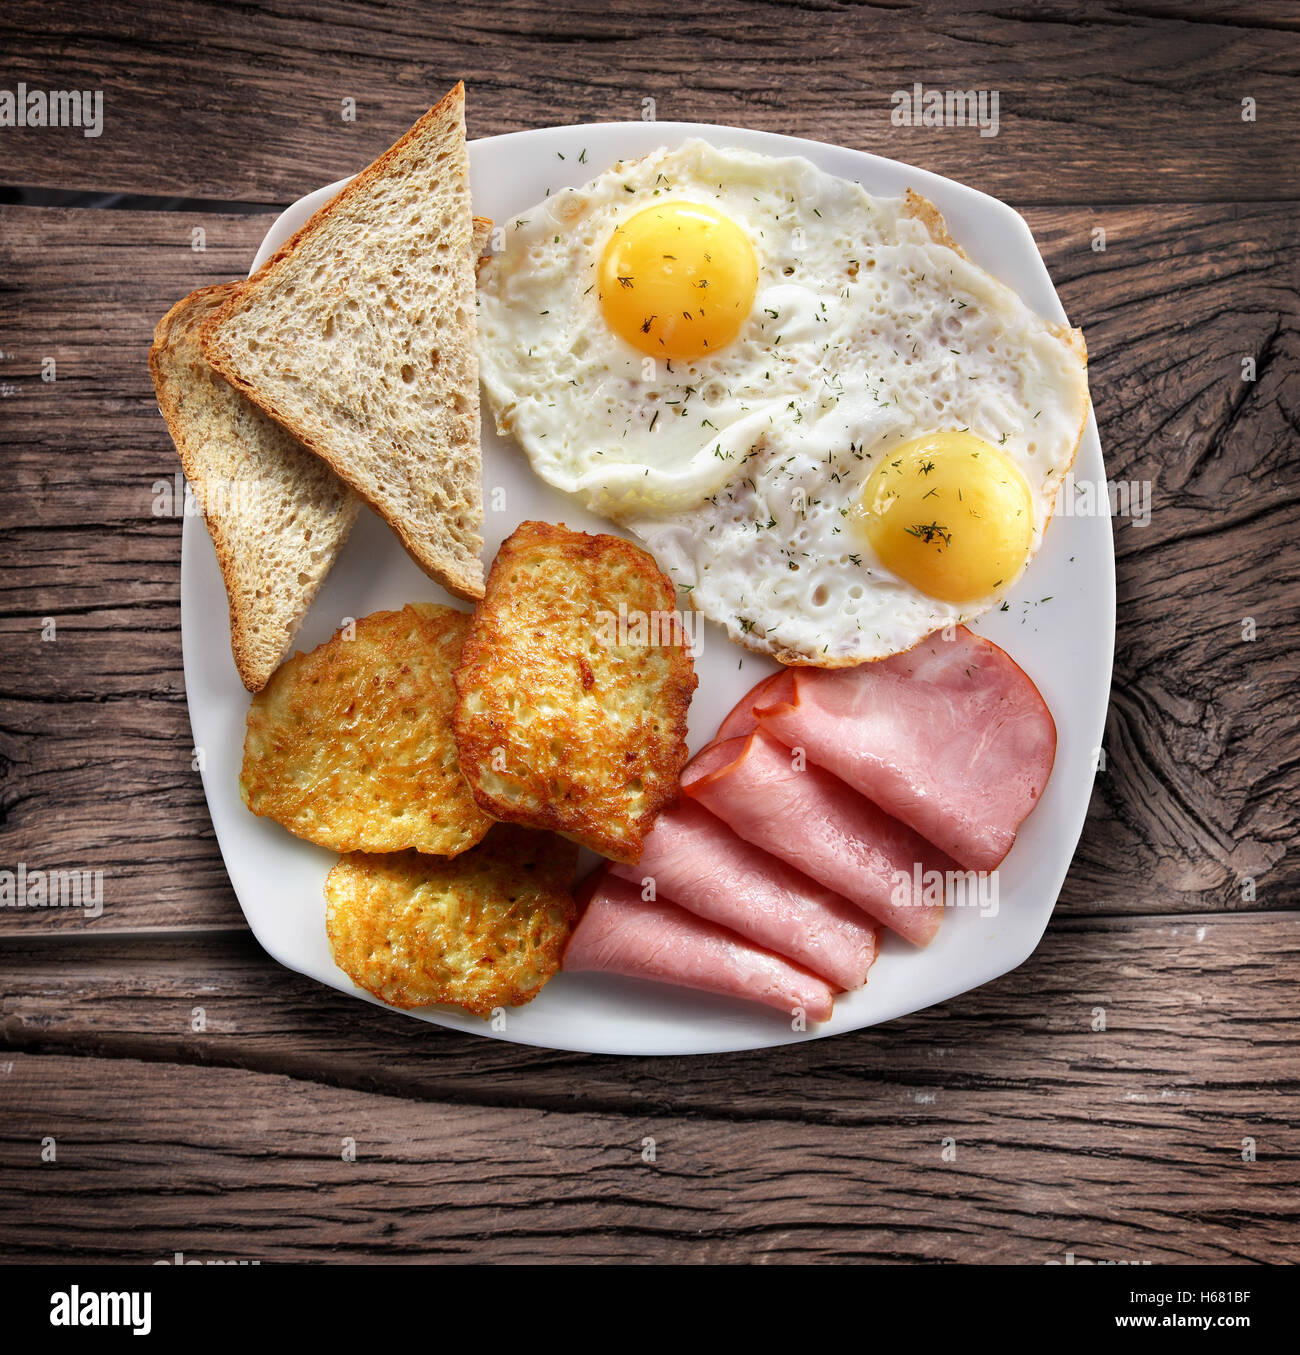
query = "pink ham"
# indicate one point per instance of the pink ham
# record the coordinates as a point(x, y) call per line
point(812, 821)
point(742, 719)
point(622, 934)
point(950, 737)
point(697, 861)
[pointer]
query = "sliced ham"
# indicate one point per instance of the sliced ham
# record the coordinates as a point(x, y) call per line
point(693, 858)
point(620, 933)
point(811, 820)
point(742, 719)
point(950, 737)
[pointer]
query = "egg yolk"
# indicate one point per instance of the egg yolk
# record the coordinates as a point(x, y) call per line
point(678, 280)
point(949, 513)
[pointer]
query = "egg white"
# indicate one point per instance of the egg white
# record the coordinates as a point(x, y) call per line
point(738, 470)
point(623, 430)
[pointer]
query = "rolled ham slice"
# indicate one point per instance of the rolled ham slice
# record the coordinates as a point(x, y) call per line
point(620, 933)
point(812, 821)
point(693, 858)
point(950, 737)
point(742, 719)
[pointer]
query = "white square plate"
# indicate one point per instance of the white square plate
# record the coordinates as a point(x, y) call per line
point(1065, 645)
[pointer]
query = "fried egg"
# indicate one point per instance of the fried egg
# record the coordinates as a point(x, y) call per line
point(834, 431)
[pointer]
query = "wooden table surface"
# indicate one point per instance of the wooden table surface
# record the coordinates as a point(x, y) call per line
point(1168, 1135)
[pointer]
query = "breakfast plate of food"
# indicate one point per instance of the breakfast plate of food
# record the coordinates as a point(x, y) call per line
point(631, 608)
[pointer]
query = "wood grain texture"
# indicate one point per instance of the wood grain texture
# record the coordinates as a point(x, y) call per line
point(1199, 789)
point(226, 1141)
point(1122, 1144)
point(1196, 794)
point(1097, 103)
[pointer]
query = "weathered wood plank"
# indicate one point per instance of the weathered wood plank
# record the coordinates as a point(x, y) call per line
point(1195, 798)
point(1114, 103)
point(1183, 1000)
point(95, 743)
point(1118, 1145)
point(226, 1142)
point(1199, 790)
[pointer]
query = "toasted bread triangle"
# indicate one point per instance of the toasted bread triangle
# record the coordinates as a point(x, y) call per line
point(277, 515)
point(359, 337)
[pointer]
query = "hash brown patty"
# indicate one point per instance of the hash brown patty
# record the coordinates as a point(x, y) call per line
point(351, 747)
point(565, 720)
point(482, 931)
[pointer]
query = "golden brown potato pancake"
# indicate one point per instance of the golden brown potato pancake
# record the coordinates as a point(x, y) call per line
point(482, 931)
point(566, 719)
point(351, 746)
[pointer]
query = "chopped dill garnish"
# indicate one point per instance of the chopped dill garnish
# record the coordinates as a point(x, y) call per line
point(930, 532)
